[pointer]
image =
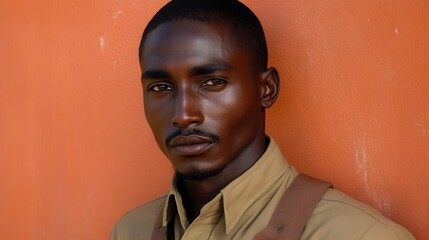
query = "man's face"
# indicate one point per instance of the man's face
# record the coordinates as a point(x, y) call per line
point(202, 97)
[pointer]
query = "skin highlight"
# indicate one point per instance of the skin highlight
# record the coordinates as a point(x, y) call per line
point(205, 102)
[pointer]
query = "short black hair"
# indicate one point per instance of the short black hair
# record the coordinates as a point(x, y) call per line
point(246, 27)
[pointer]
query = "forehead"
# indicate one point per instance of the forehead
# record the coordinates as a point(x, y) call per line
point(187, 42)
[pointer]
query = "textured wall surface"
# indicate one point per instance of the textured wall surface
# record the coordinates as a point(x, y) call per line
point(76, 151)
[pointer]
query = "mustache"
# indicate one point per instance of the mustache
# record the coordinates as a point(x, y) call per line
point(191, 131)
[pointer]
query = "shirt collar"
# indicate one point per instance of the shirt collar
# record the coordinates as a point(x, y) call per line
point(240, 193)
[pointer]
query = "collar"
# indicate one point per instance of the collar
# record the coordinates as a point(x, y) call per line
point(237, 196)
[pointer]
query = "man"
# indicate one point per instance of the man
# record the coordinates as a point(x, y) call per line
point(206, 86)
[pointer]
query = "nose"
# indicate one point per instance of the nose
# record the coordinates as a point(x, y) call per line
point(187, 110)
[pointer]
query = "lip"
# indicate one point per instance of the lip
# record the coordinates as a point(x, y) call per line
point(191, 144)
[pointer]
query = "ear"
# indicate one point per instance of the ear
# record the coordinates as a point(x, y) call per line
point(270, 87)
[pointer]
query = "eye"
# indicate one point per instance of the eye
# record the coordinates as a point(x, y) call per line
point(213, 82)
point(160, 87)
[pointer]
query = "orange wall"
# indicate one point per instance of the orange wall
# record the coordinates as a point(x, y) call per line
point(76, 152)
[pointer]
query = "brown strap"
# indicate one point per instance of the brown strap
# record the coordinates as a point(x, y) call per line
point(294, 209)
point(289, 217)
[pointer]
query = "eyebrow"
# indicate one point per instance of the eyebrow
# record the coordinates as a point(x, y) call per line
point(210, 68)
point(155, 74)
point(196, 71)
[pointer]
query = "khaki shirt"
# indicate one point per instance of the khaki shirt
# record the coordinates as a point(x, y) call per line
point(244, 207)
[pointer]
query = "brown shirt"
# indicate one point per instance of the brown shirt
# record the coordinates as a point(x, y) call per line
point(244, 207)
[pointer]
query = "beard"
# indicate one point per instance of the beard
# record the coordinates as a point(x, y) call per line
point(198, 174)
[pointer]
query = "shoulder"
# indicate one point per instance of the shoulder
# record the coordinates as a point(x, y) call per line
point(338, 215)
point(138, 223)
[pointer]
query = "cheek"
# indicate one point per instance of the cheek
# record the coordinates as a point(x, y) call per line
point(156, 109)
point(235, 109)
point(154, 119)
point(157, 115)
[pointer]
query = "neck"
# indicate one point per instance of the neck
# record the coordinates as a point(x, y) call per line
point(197, 193)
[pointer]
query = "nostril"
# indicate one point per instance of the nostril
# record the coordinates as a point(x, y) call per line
point(176, 124)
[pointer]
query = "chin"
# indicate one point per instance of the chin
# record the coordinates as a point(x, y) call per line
point(198, 174)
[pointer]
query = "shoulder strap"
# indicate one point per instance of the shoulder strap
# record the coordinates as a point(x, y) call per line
point(294, 209)
point(289, 217)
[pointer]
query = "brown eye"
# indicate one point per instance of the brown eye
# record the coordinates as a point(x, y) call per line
point(214, 82)
point(160, 88)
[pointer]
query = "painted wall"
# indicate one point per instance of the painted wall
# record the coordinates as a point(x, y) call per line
point(76, 152)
